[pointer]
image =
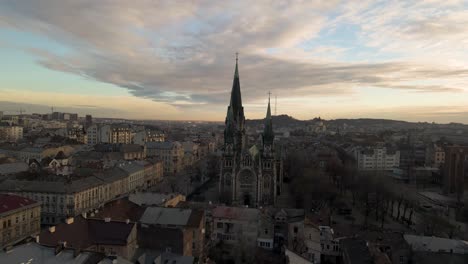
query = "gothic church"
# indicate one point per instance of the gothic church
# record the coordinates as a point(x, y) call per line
point(251, 174)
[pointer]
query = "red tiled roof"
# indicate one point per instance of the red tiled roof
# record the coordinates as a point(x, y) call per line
point(121, 210)
point(10, 202)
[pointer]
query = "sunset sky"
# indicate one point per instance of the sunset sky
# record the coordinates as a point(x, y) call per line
point(152, 59)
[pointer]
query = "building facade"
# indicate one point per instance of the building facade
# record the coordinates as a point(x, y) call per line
point(456, 170)
point(250, 174)
point(19, 218)
point(376, 158)
point(170, 153)
point(11, 133)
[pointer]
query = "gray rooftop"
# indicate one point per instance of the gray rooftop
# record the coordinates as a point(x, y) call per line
point(16, 167)
point(49, 186)
point(162, 145)
point(32, 150)
point(131, 167)
point(32, 253)
point(150, 198)
point(166, 216)
point(437, 244)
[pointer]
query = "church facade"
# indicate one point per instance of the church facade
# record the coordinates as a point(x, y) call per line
point(251, 174)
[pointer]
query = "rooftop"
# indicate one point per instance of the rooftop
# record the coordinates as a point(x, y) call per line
point(151, 198)
point(83, 233)
point(437, 244)
point(33, 253)
point(12, 202)
point(166, 216)
point(120, 209)
point(236, 213)
point(15, 167)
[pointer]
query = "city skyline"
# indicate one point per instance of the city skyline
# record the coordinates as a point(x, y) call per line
point(144, 60)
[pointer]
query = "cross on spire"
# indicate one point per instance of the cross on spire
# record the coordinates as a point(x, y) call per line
point(237, 56)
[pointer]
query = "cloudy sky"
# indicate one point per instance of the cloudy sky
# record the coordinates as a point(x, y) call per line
point(150, 59)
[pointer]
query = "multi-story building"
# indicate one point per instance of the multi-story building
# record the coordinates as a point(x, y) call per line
point(92, 135)
point(10, 133)
point(19, 218)
point(88, 120)
point(234, 225)
point(435, 155)
point(176, 230)
point(456, 170)
point(376, 158)
point(191, 154)
point(148, 135)
point(121, 134)
point(98, 134)
point(136, 174)
point(62, 199)
point(171, 153)
point(153, 172)
point(113, 238)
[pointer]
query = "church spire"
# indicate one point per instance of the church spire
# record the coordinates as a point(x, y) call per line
point(236, 99)
point(268, 134)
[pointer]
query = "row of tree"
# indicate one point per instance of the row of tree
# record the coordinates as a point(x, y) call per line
point(374, 193)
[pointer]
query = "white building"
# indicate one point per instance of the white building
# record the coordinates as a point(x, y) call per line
point(376, 158)
point(98, 134)
point(11, 133)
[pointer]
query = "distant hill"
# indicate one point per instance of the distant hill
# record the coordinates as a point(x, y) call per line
point(286, 120)
point(279, 120)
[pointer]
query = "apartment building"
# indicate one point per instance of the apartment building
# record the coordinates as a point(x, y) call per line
point(19, 218)
point(171, 153)
point(121, 133)
point(376, 158)
point(62, 199)
point(10, 133)
point(113, 238)
point(176, 230)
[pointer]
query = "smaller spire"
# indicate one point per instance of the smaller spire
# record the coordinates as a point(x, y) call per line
point(268, 134)
point(236, 72)
point(269, 110)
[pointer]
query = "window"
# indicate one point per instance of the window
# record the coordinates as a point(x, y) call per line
point(295, 230)
point(219, 225)
point(266, 231)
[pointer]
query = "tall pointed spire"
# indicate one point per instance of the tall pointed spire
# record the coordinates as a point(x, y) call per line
point(236, 99)
point(268, 134)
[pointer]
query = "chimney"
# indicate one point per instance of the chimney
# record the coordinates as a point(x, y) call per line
point(69, 220)
point(107, 219)
point(52, 229)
